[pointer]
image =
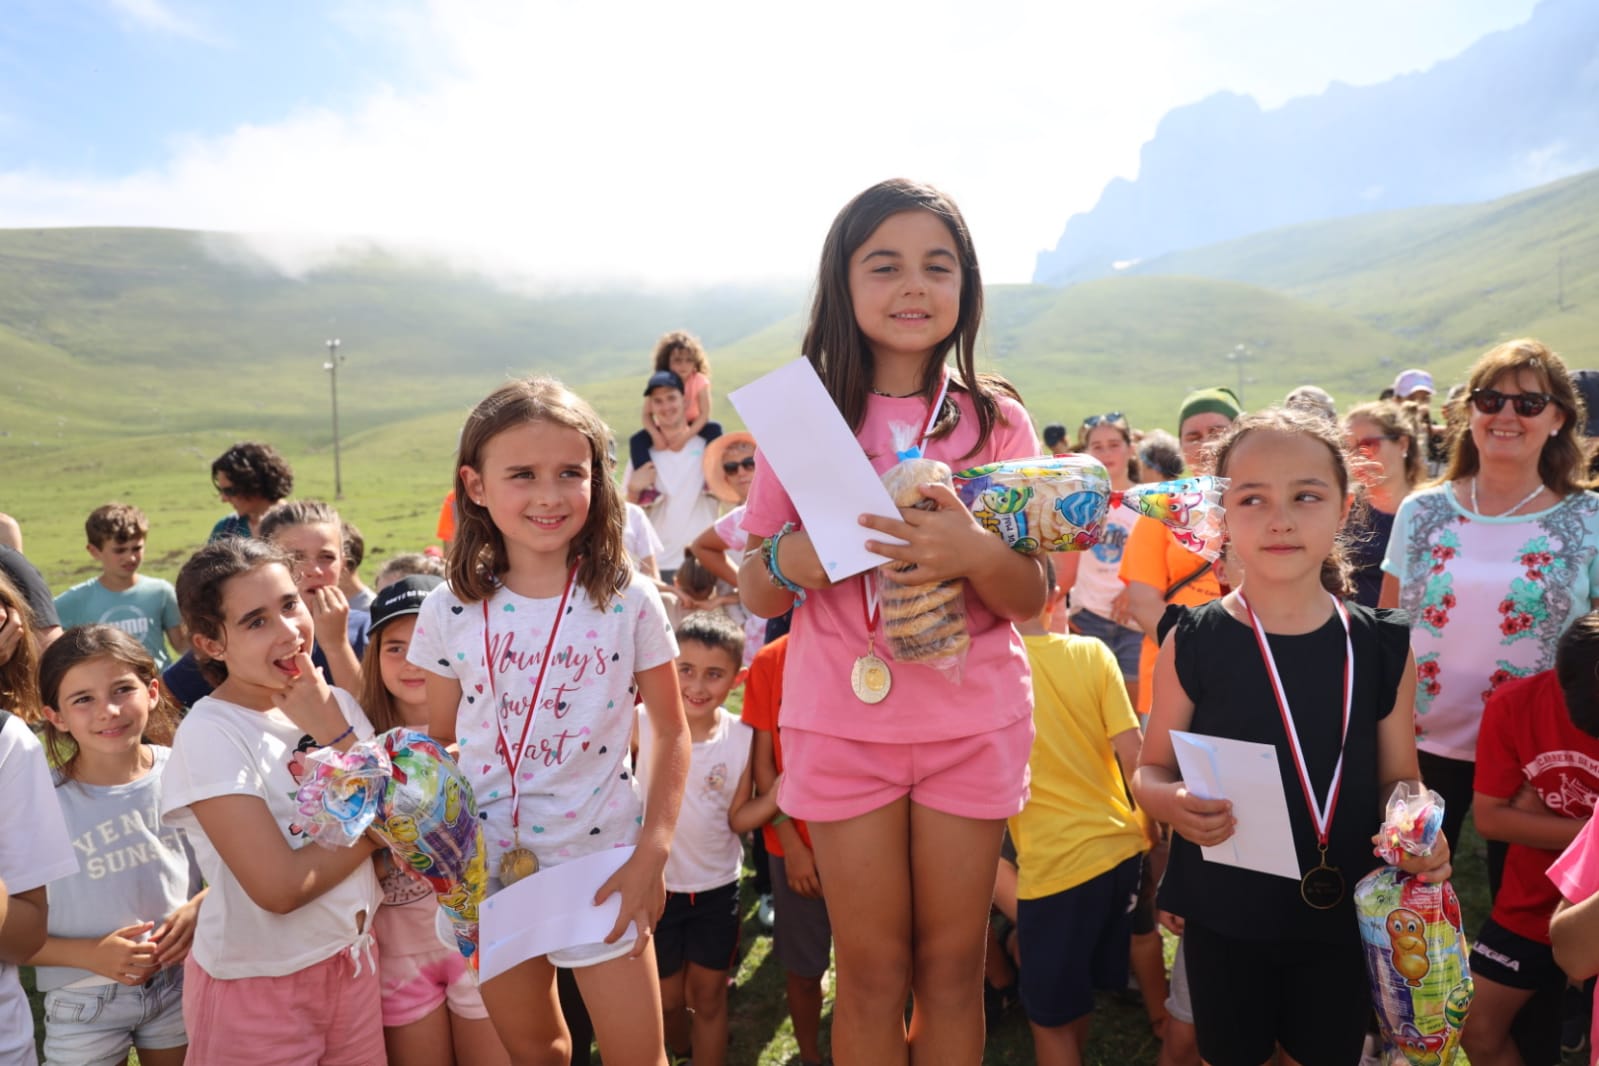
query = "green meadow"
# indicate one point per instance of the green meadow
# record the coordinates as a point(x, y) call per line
point(132, 357)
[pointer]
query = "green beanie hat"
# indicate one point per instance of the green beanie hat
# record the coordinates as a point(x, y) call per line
point(1219, 400)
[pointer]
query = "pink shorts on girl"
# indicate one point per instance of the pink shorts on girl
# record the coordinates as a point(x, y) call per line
point(328, 1013)
point(830, 779)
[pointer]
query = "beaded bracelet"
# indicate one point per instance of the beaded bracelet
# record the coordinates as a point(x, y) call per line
point(348, 730)
point(769, 556)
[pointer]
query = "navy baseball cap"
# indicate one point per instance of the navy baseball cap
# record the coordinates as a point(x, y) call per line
point(663, 379)
point(403, 597)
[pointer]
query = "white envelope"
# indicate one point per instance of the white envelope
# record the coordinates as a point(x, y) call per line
point(810, 448)
point(551, 910)
point(1245, 773)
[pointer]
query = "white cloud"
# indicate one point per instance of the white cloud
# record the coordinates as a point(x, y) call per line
point(158, 16)
point(566, 141)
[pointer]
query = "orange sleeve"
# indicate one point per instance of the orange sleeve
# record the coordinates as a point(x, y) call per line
point(1144, 557)
point(446, 529)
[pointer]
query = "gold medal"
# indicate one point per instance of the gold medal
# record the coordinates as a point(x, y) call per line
point(1323, 887)
point(870, 679)
point(516, 864)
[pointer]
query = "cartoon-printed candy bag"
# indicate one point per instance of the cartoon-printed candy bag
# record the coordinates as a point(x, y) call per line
point(924, 622)
point(1416, 949)
point(405, 786)
point(1059, 502)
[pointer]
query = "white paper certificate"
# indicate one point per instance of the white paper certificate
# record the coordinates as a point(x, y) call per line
point(810, 448)
point(551, 910)
point(1245, 773)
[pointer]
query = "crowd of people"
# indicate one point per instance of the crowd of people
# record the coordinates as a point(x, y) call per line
point(1019, 830)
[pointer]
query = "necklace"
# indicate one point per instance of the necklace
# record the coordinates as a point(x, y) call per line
point(1525, 500)
point(895, 396)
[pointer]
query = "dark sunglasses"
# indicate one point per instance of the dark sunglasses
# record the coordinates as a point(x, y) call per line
point(732, 466)
point(1370, 444)
point(1110, 418)
point(226, 493)
point(1527, 404)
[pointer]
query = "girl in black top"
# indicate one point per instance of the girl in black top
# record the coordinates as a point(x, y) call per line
point(1275, 963)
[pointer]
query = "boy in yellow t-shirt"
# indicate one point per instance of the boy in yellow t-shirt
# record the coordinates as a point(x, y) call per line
point(1079, 841)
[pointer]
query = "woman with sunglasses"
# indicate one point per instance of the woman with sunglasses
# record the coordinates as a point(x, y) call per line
point(1389, 463)
point(253, 478)
point(1495, 561)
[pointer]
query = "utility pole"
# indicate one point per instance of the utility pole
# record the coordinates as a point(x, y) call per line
point(332, 367)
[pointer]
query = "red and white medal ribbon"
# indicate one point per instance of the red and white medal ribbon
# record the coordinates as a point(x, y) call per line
point(1320, 817)
point(514, 763)
point(871, 606)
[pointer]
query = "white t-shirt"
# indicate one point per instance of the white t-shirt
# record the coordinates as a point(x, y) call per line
point(1098, 571)
point(576, 792)
point(34, 851)
point(133, 869)
point(223, 749)
point(639, 537)
point(705, 853)
point(684, 509)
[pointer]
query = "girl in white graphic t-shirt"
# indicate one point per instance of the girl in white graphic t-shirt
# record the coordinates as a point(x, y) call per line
point(120, 928)
point(283, 967)
point(537, 651)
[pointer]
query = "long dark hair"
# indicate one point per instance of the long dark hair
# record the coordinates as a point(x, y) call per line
point(839, 350)
point(477, 556)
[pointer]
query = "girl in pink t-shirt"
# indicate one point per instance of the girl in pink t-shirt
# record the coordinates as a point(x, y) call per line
point(906, 797)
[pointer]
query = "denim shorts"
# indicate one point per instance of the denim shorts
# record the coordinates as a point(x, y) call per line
point(1124, 642)
point(94, 1026)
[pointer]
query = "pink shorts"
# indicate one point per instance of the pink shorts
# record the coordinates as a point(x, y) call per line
point(830, 779)
point(414, 986)
point(327, 1013)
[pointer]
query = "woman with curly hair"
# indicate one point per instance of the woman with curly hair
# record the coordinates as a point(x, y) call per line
point(252, 478)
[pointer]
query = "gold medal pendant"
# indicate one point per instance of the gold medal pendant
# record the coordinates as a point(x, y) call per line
point(870, 679)
point(516, 864)
point(1323, 887)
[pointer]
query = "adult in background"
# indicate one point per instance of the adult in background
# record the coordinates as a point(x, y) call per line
point(1587, 384)
point(1416, 387)
point(252, 478)
point(1157, 569)
point(680, 507)
point(1498, 560)
point(1389, 462)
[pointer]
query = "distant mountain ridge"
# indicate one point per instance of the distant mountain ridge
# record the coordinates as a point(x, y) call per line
point(1518, 108)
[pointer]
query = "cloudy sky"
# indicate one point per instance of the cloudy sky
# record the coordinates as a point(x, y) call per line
point(700, 140)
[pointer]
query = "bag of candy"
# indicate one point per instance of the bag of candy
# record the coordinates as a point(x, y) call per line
point(405, 787)
point(1416, 949)
point(924, 622)
point(1059, 503)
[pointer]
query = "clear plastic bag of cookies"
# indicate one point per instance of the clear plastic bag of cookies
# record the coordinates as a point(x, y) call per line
point(924, 622)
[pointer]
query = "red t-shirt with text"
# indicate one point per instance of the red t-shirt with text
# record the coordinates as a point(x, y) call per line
point(1527, 737)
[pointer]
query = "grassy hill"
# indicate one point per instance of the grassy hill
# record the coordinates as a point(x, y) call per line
point(132, 357)
point(1452, 280)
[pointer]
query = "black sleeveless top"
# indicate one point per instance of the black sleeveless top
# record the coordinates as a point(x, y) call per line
point(1221, 669)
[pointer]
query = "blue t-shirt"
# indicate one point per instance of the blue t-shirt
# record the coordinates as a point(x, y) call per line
point(145, 612)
